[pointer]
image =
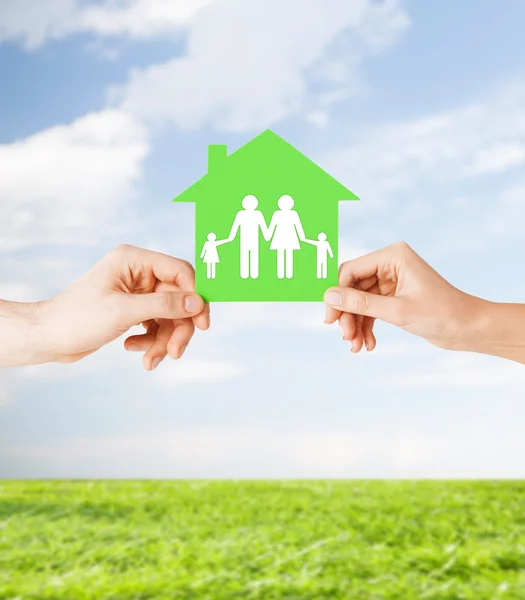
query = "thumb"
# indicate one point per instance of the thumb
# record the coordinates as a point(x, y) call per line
point(161, 305)
point(363, 303)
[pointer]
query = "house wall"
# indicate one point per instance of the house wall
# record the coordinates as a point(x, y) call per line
point(216, 210)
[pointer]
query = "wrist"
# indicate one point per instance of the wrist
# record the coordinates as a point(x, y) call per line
point(21, 332)
point(499, 330)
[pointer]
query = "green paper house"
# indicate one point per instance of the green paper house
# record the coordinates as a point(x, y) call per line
point(266, 224)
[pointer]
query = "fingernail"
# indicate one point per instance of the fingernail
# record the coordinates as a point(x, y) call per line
point(192, 303)
point(333, 298)
point(133, 348)
point(366, 345)
point(155, 363)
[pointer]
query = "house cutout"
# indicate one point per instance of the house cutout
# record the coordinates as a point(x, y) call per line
point(266, 224)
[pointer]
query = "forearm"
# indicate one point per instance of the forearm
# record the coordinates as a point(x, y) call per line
point(22, 341)
point(500, 331)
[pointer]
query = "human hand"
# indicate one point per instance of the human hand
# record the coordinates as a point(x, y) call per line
point(127, 287)
point(397, 286)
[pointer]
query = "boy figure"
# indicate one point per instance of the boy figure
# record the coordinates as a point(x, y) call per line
point(324, 250)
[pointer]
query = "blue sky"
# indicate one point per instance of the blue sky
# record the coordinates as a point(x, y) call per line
point(106, 109)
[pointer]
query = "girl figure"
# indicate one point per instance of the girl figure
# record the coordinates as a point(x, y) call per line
point(210, 255)
point(286, 231)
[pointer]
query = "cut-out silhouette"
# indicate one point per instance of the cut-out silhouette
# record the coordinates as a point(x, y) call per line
point(324, 250)
point(210, 255)
point(258, 174)
point(285, 231)
point(249, 221)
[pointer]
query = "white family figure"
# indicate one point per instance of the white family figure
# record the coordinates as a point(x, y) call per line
point(248, 221)
point(210, 255)
point(285, 232)
point(324, 250)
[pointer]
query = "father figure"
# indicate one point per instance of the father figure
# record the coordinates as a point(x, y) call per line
point(249, 221)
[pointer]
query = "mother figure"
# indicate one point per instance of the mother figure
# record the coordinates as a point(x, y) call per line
point(287, 231)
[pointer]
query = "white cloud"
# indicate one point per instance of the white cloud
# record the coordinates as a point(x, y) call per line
point(196, 371)
point(424, 170)
point(496, 159)
point(505, 216)
point(485, 219)
point(38, 277)
point(483, 139)
point(17, 291)
point(225, 453)
point(34, 22)
point(318, 117)
point(108, 360)
point(138, 18)
point(69, 184)
point(462, 370)
point(113, 359)
point(4, 395)
point(514, 195)
point(228, 318)
point(348, 251)
point(250, 64)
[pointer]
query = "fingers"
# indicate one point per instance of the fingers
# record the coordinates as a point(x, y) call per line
point(358, 273)
point(135, 308)
point(157, 352)
point(165, 268)
point(202, 320)
point(171, 275)
point(357, 340)
point(368, 322)
point(180, 338)
point(170, 337)
point(347, 324)
point(358, 331)
point(359, 294)
point(373, 264)
point(332, 315)
point(368, 333)
point(366, 304)
point(140, 343)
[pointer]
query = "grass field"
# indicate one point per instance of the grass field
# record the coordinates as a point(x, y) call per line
point(293, 540)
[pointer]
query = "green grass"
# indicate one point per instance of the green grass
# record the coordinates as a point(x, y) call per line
point(228, 540)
